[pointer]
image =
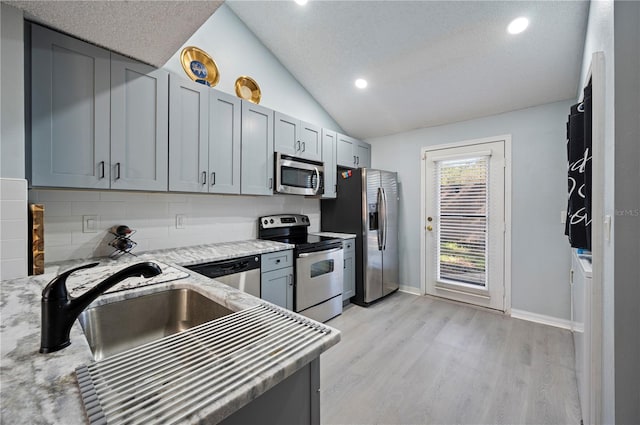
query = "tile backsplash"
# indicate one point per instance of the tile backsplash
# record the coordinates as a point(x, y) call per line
point(13, 228)
point(207, 219)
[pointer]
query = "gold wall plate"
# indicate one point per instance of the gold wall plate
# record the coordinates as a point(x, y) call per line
point(248, 89)
point(199, 66)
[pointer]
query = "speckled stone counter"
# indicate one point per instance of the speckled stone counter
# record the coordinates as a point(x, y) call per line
point(336, 235)
point(42, 388)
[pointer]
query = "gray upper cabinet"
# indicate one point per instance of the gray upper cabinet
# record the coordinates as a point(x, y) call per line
point(353, 153)
point(70, 87)
point(297, 138)
point(188, 136)
point(257, 150)
point(329, 159)
point(225, 113)
point(98, 120)
point(139, 131)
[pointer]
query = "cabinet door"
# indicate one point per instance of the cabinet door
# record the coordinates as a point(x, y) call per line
point(286, 134)
point(257, 150)
point(188, 135)
point(139, 130)
point(69, 111)
point(349, 284)
point(363, 155)
point(345, 151)
point(277, 287)
point(329, 159)
point(224, 142)
point(311, 141)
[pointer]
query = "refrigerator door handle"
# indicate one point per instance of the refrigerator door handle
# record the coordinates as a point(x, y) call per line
point(380, 210)
point(385, 221)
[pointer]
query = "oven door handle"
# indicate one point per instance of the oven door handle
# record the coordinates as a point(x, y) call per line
point(309, 254)
point(317, 188)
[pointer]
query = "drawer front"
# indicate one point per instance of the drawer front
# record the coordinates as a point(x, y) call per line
point(349, 247)
point(276, 260)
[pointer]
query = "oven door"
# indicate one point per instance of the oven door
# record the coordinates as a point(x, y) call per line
point(318, 277)
point(297, 176)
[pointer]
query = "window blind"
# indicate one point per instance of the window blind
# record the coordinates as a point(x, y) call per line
point(462, 189)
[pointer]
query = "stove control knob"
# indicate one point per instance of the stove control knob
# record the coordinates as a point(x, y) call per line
point(271, 221)
point(265, 221)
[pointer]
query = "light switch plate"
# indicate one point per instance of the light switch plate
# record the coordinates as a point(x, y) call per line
point(180, 221)
point(563, 217)
point(89, 224)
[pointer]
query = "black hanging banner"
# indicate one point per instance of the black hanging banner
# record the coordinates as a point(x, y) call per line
point(578, 224)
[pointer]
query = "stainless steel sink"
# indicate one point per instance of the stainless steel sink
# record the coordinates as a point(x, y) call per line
point(119, 326)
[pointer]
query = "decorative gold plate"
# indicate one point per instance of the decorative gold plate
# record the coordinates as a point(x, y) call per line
point(199, 66)
point(248, 89)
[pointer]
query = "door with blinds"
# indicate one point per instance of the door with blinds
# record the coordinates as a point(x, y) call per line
point(464, 232)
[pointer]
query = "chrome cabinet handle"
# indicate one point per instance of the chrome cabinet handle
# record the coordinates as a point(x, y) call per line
point(354, 160)
point(304, 146)
point(117, 171)
point(290, 280)
point(270, 182)
point(357, 160)
point(101, 169)
point(213, 178)
point(298, 147)
point(204, 177)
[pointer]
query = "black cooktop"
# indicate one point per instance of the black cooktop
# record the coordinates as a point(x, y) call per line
point(292, 229)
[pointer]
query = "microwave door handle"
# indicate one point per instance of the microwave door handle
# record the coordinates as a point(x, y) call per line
point(317, 188)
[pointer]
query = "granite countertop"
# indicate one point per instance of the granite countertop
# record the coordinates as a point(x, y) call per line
point(336, 235)
point(42, 388)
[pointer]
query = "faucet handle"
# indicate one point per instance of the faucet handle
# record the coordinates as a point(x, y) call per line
point(57, 288)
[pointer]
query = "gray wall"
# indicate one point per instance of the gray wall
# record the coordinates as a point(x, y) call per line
point(540, 255)
point(237, 51)
point(627, 220)
point(12, 89)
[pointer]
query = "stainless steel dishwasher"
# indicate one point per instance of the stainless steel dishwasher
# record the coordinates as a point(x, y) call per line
point(240, 273)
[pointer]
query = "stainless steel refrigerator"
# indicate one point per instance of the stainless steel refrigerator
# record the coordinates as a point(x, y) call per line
point(367, 205)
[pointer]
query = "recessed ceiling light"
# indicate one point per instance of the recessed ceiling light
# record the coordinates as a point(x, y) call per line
point(301, 2)
point(518, 25)
point(361, 83)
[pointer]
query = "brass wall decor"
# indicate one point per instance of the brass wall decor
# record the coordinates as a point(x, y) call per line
point(199, 66)
point(248, 89)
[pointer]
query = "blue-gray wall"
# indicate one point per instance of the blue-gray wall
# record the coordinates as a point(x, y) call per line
point(540, 251)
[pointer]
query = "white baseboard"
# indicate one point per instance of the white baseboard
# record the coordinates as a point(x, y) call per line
point(409, 289)
point(541, 318)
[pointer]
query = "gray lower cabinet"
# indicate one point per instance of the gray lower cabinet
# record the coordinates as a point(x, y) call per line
point(296, 400)
point(257, 150)
point(349, 283)
point(70, 102)
point(188, 136)
point(296, 137)
point(277, 278)
point(139, 134)
point(329, 159)
point(352, 153)
point(98, 120)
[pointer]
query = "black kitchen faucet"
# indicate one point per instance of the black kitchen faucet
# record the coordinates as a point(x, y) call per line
point(59, 310)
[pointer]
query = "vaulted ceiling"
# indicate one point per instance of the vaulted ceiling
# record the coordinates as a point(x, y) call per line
point(150, 31)
point(426, 62)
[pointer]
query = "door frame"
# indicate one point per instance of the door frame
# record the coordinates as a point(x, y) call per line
point(507, 210)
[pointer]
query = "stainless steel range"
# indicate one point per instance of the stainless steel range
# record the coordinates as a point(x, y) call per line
point(318, 265)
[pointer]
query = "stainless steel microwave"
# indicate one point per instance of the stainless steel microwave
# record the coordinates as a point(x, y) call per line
point(298, 176)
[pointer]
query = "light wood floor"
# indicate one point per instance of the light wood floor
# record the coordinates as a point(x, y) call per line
point(419, 360)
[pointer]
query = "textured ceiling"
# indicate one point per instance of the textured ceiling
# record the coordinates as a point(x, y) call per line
point(427, 62)
point(151, 31)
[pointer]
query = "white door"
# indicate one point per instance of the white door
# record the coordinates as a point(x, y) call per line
point(464, 224)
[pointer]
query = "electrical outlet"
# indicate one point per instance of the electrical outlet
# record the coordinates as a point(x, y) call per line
point(89, 224)
point(180, 221)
